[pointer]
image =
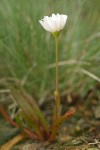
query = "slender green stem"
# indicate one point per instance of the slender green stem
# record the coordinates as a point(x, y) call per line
point(56, 41)
point(56, 93)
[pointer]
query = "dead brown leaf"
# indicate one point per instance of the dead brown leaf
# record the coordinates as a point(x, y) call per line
point(12, 142)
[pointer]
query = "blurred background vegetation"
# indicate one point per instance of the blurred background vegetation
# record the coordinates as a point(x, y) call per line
point(27, 51)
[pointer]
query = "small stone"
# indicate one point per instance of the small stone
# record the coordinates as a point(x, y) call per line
point(65, 138)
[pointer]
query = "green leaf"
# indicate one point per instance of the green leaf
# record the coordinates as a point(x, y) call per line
point(31, 125)
point(24, 104)
point(29, 107)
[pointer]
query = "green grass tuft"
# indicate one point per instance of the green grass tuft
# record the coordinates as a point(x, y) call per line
point(27, 52)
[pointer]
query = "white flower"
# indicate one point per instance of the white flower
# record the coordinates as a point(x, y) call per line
point(54, 23)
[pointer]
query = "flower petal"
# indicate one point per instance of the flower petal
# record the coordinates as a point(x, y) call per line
point(45, 26)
